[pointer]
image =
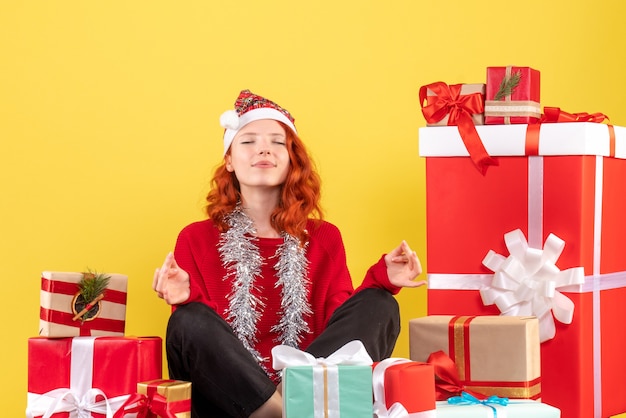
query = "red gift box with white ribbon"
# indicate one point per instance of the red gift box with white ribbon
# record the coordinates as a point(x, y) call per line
point(403, 388)
point(88, 375)
point(550, 211)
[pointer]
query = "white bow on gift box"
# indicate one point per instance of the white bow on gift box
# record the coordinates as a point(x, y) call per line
point(67, 400)
point(325, 370)
point(527, 282)
point(352, 353)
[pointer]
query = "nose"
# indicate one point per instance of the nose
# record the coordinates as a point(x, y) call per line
point(264, 151)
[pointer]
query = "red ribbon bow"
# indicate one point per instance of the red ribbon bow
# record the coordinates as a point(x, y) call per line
point(447, 382)
point(449, 101)
point(151, 406)
point(555, 114)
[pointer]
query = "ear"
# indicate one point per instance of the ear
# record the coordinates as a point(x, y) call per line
point(229, 166)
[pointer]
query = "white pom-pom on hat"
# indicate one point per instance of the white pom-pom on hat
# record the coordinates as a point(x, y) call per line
point(230, 120)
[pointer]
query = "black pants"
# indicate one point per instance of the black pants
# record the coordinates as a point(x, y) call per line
point(226, 380)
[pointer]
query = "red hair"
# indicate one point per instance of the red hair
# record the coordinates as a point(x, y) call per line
point(299, 198)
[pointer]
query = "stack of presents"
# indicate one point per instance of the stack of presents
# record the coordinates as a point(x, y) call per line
point(83, 365)
point(525, 218)
point(525, 212)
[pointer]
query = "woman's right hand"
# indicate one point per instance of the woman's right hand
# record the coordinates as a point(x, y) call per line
point(171, 283)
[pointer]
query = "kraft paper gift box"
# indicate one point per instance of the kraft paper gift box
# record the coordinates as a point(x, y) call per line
point(337, 386)
point(67, 376)
point(513, 409)
point(60, 303)
point(441, 102)
point(494, 355)
point(522, 105)
point(165, 398)
point(563, 180)
point(464, 91)
point(403, 386)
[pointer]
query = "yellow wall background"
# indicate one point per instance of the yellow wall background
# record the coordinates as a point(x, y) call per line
point(109, 122)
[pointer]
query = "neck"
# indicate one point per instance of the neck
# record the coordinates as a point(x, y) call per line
point(259, 208)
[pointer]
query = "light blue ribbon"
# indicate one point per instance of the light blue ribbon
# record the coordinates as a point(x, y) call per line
point(467, 399)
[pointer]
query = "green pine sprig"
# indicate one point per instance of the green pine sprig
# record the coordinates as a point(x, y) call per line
point(507, 85)
point(92, 285)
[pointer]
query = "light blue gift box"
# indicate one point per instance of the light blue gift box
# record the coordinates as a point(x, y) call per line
point(516, 408)
point(331, 391)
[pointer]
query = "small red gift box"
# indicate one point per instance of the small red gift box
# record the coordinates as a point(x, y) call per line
point(60, 303)
point(569, 182)
point(512, 95)
point(401, 383)
point(88, 374)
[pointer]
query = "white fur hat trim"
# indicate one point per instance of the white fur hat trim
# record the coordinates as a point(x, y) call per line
point(228, 122)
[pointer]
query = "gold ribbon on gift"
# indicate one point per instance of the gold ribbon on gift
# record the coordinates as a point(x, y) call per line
point(459, 349)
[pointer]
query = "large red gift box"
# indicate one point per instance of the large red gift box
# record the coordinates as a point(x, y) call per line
point(88, 374)
point(569, 182)
point(403, 386)
point(522, 105)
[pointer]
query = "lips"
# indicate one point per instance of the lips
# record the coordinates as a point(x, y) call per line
point(264, 164)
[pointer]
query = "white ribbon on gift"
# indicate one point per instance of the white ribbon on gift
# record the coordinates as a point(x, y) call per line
point(527, 282)
point(352, 353)
point(80, 398)
point(397, 410)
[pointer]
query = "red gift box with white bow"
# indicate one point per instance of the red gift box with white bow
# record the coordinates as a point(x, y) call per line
point(88, 375)
point(403, 388)
point(540, 233)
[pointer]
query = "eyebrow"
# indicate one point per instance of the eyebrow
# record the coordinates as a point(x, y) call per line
point(256, 133)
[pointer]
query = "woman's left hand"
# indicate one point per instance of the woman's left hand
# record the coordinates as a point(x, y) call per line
point(403, 267)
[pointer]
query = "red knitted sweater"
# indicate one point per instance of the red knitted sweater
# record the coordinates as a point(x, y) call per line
point(197, 253)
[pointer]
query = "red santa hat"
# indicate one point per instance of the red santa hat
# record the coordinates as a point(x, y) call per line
point(248, 108)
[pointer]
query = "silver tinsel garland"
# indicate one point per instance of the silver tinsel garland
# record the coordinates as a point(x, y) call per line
point(292, 276)
point(241, 257)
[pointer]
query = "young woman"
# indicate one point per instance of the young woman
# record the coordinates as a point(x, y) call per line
point(265, 269)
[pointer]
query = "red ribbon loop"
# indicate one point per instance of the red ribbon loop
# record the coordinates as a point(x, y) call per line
point(449, 101)
point(447, 382)
point(555, 114)
point(144, 406)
